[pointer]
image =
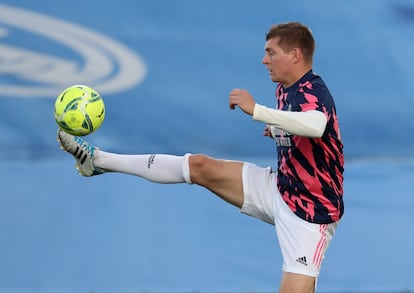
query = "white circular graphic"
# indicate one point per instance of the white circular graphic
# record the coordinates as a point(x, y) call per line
point(103, 63)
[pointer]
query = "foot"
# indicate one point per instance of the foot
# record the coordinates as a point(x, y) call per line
point(83, 152)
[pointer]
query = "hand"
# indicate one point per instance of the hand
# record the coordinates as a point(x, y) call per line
point(267, 131)
point(243, 99)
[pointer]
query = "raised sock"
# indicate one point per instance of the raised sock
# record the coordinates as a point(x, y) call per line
point(158, 168)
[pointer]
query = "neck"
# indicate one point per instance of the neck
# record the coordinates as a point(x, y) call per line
point(297, 75)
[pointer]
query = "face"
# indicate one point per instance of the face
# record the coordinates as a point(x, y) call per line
point(277, 62)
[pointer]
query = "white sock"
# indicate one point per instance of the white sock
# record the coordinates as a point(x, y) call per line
point(158, 168)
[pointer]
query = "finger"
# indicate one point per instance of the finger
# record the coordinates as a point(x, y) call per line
point(235, 90)
point(232, 102)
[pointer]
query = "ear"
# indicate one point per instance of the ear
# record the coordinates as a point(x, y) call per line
point(296, 55)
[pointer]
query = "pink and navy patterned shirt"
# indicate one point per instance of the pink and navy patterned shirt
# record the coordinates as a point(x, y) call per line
point(310, 170)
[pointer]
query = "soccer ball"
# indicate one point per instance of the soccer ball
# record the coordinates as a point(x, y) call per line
point(79, 110)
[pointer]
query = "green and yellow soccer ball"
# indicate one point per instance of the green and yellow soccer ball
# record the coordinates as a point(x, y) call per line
point(79, 110)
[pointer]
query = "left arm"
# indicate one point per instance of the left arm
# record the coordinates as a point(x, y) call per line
point(309, 124)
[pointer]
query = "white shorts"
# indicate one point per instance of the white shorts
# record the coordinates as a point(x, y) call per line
point(303, 244)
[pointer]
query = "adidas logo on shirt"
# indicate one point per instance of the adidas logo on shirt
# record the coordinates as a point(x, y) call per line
point(302, 260)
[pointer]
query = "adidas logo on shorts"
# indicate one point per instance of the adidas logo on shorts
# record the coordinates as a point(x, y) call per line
point(302, 260)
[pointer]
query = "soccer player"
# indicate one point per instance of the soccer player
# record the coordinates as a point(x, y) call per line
point(303, 197)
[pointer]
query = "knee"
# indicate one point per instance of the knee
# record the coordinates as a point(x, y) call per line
point(198, 165)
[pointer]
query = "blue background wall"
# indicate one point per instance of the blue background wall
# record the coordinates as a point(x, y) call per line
point(60, 232)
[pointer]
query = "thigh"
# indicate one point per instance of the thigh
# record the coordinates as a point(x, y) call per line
point(222, 177)
point(303, 244)
point(260, 192)
point(297, 283)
